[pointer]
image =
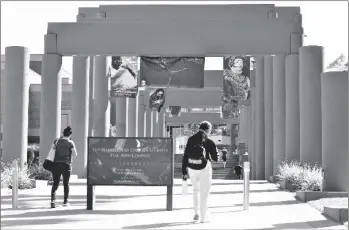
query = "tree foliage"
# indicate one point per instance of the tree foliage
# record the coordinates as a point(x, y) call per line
point(339, 64)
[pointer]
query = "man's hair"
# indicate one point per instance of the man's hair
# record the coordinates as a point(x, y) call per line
point(67, 132)
point(205, 125)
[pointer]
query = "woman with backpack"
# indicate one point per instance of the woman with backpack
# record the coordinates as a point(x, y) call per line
point(64, 149)
point(198, 154)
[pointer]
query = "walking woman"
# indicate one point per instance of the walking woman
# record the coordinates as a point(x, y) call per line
point(65, 148)
point(198, 154)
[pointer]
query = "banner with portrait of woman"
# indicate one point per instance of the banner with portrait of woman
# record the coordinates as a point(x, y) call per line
point(156, 98)
point(183, 72)
point(123, 73)
point(236, 84)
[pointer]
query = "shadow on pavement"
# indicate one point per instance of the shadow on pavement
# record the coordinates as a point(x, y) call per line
point(300, 225)
point(7, 198)
point(159, 225)
point(19, 222)
point(83, 211)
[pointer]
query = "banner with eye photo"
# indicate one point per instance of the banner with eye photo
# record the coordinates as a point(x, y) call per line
point(123, 73)
point(156, 98)
point(236, 84)
point(163, 72)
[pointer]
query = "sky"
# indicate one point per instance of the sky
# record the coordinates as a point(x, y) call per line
point(24, 23)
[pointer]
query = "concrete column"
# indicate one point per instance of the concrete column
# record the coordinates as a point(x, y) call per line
point(268, 115)
point(260, 139)
point(249, 132)
point(91, 96)
point(310, 69)
point(161, 126)
point(242, 127)
point(141, 117)
point(148, 123)
point(292, 107)
point(80, 112)
point(16, 102)
point(253, 107)
point(118, 115)
point(334, 104)
point(51, 101)
point(155, 123)
point(279, 111)
point(253, 118)
point(131, 117)
point(101, 118)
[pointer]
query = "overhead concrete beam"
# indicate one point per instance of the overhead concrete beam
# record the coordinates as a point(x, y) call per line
point(266, 36)
point(184, 13)
point(214, 118)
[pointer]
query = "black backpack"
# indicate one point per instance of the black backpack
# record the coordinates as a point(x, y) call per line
point(197, 152)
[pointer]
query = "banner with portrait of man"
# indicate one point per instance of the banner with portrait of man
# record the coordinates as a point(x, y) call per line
point(123, 73)
point(156, 99)
point(236, 84)
point(182, 72)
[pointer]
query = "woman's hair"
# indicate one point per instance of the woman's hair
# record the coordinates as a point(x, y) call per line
point(245, 61)
point(205, 125)
point(67, 131)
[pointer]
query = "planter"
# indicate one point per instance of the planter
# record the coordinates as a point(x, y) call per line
point(33, 183)
point(306, 196)
point(286, 185)
point(337, 214)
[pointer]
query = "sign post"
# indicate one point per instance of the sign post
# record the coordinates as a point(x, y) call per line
point(246, 185)
point(169, 198)
point(90, 197)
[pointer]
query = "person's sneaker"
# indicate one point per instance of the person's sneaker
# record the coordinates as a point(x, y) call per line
point(53, 205)
point(196, 217)
point(65, 203)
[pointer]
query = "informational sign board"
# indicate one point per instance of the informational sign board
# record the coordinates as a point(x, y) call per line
point(130, 161)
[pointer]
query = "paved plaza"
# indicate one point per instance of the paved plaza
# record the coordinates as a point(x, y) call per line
point(144, 208)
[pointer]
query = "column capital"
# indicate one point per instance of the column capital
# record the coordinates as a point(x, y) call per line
point(50, 43)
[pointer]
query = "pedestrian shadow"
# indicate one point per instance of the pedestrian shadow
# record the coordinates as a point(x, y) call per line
point(158, 225)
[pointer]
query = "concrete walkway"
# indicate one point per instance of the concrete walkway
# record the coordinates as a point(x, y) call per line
point(144, 207)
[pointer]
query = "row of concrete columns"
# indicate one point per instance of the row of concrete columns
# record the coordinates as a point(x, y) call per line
point(286, 111)
point(287, 120)
point(129, 115)
point(92, 109)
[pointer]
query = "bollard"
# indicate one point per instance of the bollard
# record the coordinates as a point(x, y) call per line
point(323, 180)
point(246, 185)
point(14, 184)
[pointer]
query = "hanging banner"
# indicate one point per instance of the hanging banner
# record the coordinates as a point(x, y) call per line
point(230, 109)
point(156, 99)
point(123, 73)
point(175, 111)
point(236, 84)
point(236, 77)
point(183, 72)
